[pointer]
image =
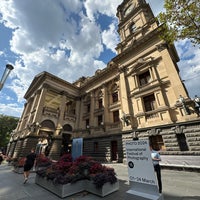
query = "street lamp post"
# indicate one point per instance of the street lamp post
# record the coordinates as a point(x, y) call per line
point(5, 75)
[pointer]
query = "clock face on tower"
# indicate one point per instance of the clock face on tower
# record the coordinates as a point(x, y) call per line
point(128, 9)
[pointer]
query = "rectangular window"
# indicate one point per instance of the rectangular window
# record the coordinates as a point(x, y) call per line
point(87, 123)
point(116, 116)
point(133, 28)
point(115, 97)
point(100, 103)
point(144, 78)
point(96, 146)
point(157, 142)
point(68, 106)
point(100, 120)
point(88, 108)
point(149, 103)
point(182, 142)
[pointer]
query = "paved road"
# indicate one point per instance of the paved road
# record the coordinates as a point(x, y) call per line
point(177, 185)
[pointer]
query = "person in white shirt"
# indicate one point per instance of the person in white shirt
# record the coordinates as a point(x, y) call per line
point(156, 159)
point(197, 100)
point(197, 105)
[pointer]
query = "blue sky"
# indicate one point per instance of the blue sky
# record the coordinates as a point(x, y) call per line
point(52, 36)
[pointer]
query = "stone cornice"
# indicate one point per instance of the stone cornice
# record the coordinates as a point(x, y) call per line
point(136, 44)
point(101, 75)
point(39, 82)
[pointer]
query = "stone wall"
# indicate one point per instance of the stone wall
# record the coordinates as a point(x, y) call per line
point(173, 154)
point(103, 151)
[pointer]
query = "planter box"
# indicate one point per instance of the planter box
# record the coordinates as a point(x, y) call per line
point(106, 189)
point(70, 189)
point(60, 190)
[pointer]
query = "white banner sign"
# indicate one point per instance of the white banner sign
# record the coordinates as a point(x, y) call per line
point(140, 165)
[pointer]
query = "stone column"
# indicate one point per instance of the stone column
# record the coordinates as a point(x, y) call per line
point(92, 102)
point(34, 104)
point(78, 113)
point(61, 113)
point(124, 98)
point(20, 127)
point(40, 104)
point(171, 70)
point(105, 104)
point(135, 83)
point(152, 73)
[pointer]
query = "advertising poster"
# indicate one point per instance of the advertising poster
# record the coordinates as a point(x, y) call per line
point(140, 166)
point(77, 147)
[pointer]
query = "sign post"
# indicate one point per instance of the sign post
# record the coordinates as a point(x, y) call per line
point(77, 148)
point(141, 172)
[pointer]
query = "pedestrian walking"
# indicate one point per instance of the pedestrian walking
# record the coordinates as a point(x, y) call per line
point(29, 163)
point(1, 157)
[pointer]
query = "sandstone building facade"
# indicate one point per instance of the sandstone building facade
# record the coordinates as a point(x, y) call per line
point(139, 94)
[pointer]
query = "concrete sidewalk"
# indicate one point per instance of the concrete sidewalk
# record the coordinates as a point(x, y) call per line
point(177, 185)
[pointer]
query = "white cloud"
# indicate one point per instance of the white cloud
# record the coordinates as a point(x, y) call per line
point(93, 7)
point(110, 38)
point(11, 109)
point(189, 66)
point(53, 36)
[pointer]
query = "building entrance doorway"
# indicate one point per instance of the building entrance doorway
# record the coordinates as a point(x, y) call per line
point(182, 142)
point(44, 143)
point(66, 143)
point(114, 152)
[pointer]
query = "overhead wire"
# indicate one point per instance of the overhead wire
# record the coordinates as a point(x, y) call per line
point(192, 78)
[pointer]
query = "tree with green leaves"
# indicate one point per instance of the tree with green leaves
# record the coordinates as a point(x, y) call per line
point(7, 125)
point(181, 20)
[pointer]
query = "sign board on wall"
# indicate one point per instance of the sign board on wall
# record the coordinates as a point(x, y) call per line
point(77, 147)
point(141, 171)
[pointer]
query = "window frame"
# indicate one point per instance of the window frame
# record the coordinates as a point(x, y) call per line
point(149, 103)
point(96, 146)
point(100, 103)
point(99, 120)
point(132, 27)
point(144, 78)
point(87, 123)
point(157, 142)
point(116, 116)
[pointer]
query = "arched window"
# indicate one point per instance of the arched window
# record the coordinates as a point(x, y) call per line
point(67, 128)
point(48, 124)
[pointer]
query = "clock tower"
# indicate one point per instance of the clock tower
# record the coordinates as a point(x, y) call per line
point(150, 85)
point(134, 17)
